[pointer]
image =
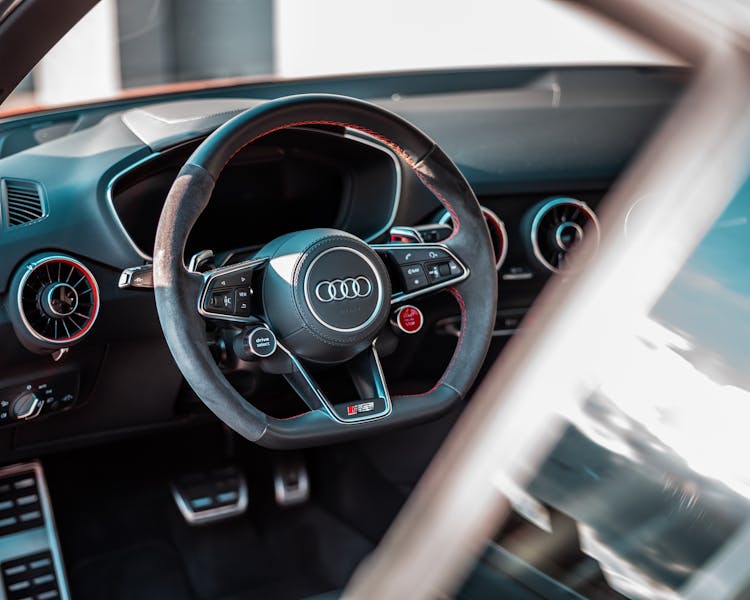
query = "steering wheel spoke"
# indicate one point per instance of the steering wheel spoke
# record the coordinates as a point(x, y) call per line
point(421, 268)
point(373, 402)
point(226, 292)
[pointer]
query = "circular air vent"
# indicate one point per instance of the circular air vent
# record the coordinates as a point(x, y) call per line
point(58, 299)
point(498, 235)
point(558, 225)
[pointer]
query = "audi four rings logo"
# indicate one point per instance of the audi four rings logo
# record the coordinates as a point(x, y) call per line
point(343, 289)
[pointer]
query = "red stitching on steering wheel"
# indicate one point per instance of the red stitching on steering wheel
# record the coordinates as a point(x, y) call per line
point(462, 305)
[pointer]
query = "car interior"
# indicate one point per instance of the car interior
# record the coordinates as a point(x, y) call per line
point(237, 323)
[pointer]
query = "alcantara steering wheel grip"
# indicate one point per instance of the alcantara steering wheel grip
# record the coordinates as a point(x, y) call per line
point(324, 294)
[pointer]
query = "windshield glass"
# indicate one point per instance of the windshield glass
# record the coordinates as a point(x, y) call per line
point(136, 47)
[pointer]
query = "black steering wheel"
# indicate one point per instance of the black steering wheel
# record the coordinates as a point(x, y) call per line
point(321, 296)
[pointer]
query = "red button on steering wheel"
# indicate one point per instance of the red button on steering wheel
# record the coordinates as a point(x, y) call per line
point(409, 319)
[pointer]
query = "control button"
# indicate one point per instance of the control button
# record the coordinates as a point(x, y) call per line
point(221, 302)
point(410, 255)
point(433, 272)
point(408, 319)
point(441, 271)
point(26, 406)
point(414, 277)
point(221, 282)
point(261, 342)
point(242, 301)
point(228, 280)
point(241, 278)
point(454, 268)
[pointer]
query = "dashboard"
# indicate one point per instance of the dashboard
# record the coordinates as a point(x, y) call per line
point(82, 356)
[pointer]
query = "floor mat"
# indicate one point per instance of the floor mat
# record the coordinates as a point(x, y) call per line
point(124, 538)
point(150, 571)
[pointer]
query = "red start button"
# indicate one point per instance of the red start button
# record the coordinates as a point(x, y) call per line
point(409, 319)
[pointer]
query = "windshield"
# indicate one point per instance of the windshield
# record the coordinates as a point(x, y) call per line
point(132, 47)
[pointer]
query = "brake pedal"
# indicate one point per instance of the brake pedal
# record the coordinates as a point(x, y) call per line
point(291, 483)
point(210, 496)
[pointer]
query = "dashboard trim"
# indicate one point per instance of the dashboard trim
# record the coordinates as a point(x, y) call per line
point(111, 205)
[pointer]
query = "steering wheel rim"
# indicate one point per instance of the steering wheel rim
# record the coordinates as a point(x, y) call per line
point(177, 289)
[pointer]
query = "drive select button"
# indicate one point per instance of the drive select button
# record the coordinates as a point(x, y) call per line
point(261, 342)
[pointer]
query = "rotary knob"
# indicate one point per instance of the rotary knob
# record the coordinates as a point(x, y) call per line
point(26, 406)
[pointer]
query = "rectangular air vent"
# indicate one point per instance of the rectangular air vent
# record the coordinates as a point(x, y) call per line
point(23, 201)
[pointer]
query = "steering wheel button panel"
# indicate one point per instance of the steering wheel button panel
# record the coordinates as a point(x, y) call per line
point(422, 268)
point(227, 293)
